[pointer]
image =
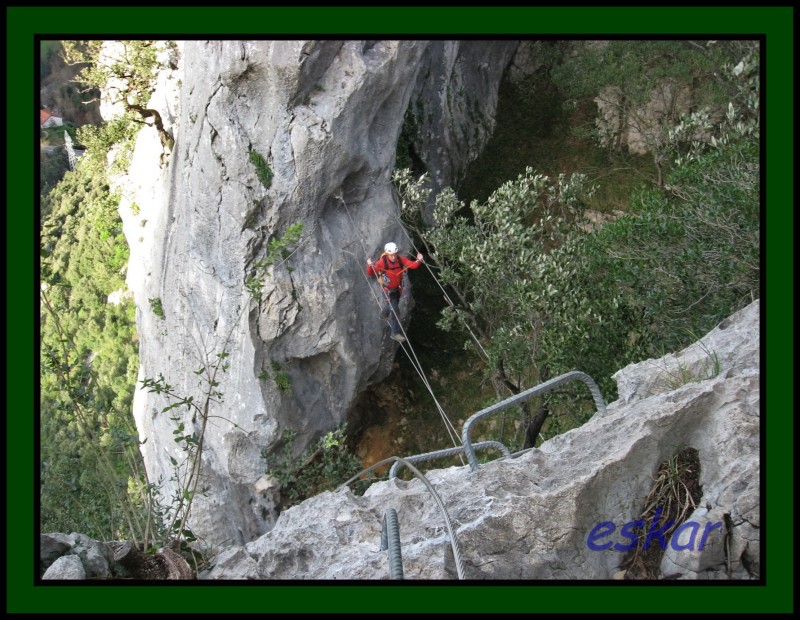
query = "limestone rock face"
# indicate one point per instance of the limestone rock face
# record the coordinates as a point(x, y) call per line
point(452, 111)
point(530, 517)
point(324, 116)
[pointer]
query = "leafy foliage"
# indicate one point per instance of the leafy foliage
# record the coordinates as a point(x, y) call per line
point(277, 253)
point(53, 165)
point(643, 86)
point(263, 171)
point(129, 68)
point(495, 258)
point(282, 379)
point(189, 434)
point(59, 92)
point(540, 293)
point(91, 471)
point(638, 67)
point(322, 467)
point(126, 72)
point(47, 51)
point(190, 413)
point(157, 307)
point(118, 134)
point(88, 362)
point(687, 257)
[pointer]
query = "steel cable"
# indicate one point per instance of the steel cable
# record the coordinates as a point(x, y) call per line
point(453, 540)
point(452, 304)
point(410, 353)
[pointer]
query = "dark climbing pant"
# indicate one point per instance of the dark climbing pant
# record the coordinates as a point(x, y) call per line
point(391, 308)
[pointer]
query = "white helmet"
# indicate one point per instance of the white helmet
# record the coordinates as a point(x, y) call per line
point(390, 248)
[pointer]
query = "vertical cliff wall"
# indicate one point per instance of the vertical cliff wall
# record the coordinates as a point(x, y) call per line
point(452, 112)
point(325, 116)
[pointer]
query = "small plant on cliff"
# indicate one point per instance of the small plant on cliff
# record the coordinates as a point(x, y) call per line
point(282, 378)
point(190, 416)
point(322, 467)
point(189, 435)
point(263, 171)
point(707, 368)
point(277, 253)
point(156, 306)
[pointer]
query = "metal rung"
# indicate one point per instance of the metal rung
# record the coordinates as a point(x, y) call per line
point(429, 456)
point(521, 398)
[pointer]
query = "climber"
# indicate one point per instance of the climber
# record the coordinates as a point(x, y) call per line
point(389, 269)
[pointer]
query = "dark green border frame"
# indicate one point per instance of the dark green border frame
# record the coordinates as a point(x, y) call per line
point(23, 24)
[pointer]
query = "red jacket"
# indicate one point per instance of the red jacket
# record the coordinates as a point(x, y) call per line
point(393, 270)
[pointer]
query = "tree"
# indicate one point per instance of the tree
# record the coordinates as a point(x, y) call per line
point(642, 88)
point(540, 294)
point(53, 164)
point(494, 257)
point(126, 72)
point(88, 365)
point(701, 232)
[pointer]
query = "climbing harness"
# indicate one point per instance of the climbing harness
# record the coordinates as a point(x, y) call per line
point(405, 344)
point(381, 268)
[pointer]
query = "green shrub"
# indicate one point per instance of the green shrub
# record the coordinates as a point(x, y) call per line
point(263, 171)
point(282, 378)
point(89, 362)
point(156, 307)
point(322, 467)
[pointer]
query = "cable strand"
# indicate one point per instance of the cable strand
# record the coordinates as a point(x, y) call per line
point(410, 353)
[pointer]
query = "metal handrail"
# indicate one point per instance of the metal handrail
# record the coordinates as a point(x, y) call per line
point(522, 397)
point(429, 456)
point(448, 524)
